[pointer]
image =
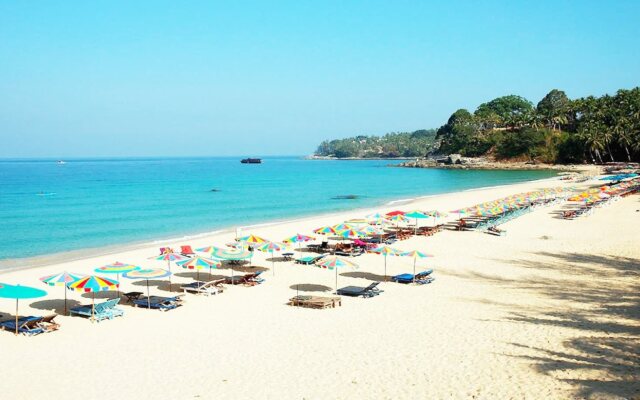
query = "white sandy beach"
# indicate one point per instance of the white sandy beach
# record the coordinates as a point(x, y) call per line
point(549, 311)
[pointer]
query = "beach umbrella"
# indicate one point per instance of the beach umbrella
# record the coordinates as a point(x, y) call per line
point(351, 234)
point(19, 292)
point(92, 284)
point(374, 216)
point(227, 254)
point(271, 247)
point(146, 274)
point(252, 239)
point(170, 256)
point(197, 263)
point(397, 218)
point(357, 221)
point(342, 227)
point(417, 215)
point(299, 238)
point(393, 213)
point(436, 214)
point(324, 230)
point(116, 268)
point(335, 262)
point(61, 279)
point(386, 251)
point(415, 254)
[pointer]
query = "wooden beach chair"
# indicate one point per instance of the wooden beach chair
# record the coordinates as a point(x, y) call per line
point(317, 302)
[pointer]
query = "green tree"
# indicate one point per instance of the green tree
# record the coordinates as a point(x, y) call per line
point(554, 109)
point(507, 111)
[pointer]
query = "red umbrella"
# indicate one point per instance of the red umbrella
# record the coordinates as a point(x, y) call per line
point(397, 212)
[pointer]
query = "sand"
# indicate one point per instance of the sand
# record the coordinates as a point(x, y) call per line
point(549, 311)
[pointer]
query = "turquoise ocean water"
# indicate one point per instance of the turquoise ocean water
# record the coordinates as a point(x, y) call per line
point(47, 208)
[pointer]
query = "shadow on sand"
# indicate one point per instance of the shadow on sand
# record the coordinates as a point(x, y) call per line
point(310, 287)
point(608, 319)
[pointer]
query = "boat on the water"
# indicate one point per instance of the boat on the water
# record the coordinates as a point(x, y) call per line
point(61, 162)
point(251, 161)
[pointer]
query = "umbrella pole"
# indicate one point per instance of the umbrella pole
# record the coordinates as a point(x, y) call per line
point(273, 265)
point(16, 316)
point(118, 287)
point(198, 277)
point(148, 297)
point(65, 300)
point(336, 279)
point(93, 306)
point(169, 265)
point(414, 271)
point(385, 267)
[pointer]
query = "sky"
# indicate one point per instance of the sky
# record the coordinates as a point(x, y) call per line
point(213, 78)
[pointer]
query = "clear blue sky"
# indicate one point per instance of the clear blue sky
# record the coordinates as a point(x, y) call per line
point(118, 78)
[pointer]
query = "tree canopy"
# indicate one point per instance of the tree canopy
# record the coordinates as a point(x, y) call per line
point(556, 130)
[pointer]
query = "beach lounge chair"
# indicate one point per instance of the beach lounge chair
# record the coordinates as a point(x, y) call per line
point(420, 278)
point(252, 279)
point(28, 326)
point(158, 302)
point(206, 288)
point(318, 302)
point(308, 260)
point(101, 311)
point(187, 251)
point(356, 291)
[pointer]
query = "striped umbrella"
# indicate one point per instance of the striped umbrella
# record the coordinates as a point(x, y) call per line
point(61, 279)
point(116, 268)
point(170, 256)
point(227, 254)
point(92, 284)
point(252, 239)
point(351, 234)
point(325, 230)
point(386, 251)
point(415, 254)
point(197, 263)
point(19, 292)
point(342, 227)
point(436, 214)
point(271, 247)
point(335, 262)
point(393, 213)
point(299, 238)
point(147, 273)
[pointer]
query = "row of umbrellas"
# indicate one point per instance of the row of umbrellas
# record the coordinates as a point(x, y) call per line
point(499, 206)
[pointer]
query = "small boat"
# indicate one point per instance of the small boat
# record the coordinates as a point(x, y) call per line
point(61, 162)
point(251, 161)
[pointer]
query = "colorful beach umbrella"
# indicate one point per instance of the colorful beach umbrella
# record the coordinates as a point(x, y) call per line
point(415, 254)
point(229, 254)
point(168, 257)
point(386, 251)
point(252, 239)
point(19, 292)
point(146, 274)
point(197, 263)
point(393, 213)
point(335, 262)
point(416, 215)
point(351, 234)
point(61, 279)
point(325, 230)
point(116, 268)
point(93, 284)
point(342, 227)
point(299, 238)
point(271, 247)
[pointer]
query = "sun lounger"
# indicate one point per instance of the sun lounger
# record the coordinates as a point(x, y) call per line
point(206, 288)
point(28, 326)
point(186, 251)
point(252, 279)
point(318, 302)
point(420, 278)
point(101, 311)
point(158, 302)
point(356, 291)
point(308, 260)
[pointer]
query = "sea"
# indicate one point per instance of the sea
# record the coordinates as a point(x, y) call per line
point(49, 208)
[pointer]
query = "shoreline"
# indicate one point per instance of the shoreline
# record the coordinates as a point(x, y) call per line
point(113, 249)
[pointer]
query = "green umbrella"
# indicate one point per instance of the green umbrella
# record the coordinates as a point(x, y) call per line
point(19, 292)
point(417, 215)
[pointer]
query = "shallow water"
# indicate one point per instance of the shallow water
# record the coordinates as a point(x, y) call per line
point(50, 208)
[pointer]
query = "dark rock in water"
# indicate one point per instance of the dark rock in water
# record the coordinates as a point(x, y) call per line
point(215, 190)
point(346, 197)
